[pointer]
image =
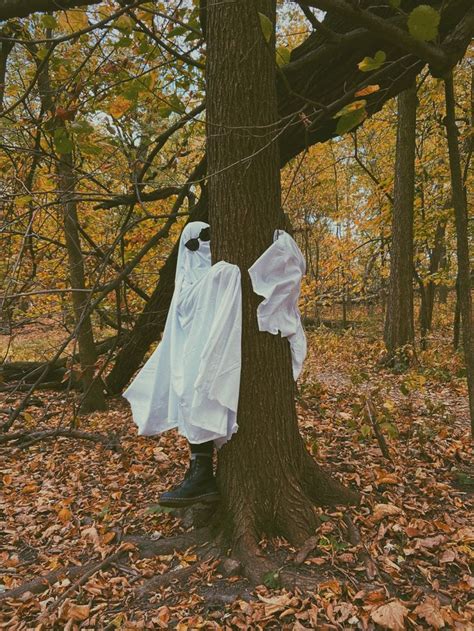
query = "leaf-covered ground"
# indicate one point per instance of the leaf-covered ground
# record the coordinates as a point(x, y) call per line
point(66, 503)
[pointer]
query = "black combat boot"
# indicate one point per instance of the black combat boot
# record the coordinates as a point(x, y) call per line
point(199, 485)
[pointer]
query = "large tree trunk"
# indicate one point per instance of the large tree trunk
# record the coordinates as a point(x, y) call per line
point(399, 330)
point(462, 241)
point(268, 481)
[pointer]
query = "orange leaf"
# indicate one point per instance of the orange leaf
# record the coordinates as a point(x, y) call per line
point(370, 89)
point(64, 515)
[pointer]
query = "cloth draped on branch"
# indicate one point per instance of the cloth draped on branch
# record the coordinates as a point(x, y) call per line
point(192, 379)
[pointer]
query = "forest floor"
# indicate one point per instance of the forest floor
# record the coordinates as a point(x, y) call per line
point(66, 503)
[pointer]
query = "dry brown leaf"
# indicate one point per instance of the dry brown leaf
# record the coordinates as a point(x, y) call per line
point(430, 611)
point(448, 556)
point(430, 543)
point(385, 510)
point(275, 603)
point(74, 612)
point(391, 616)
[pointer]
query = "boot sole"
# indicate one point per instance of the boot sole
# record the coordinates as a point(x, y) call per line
point(210, 498)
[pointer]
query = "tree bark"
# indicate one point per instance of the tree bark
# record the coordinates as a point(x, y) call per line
point(462, 240)
point(268, 481)
point(399, 329)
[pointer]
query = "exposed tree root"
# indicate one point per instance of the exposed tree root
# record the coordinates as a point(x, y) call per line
point(26, 439)
point(247, 559)
point(305, 550)
point(355, 539)
point(102, 565)
point(145, 546)
point(325, 490)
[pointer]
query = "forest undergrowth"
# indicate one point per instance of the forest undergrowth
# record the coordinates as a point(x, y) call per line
point(87, 518)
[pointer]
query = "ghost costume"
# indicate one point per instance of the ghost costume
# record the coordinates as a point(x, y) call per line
point(192, 380)
point(276, 275)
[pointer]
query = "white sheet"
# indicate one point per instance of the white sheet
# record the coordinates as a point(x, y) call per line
point(276, 275)
point(192, 380)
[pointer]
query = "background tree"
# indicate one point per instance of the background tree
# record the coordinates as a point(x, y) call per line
point(399, 330)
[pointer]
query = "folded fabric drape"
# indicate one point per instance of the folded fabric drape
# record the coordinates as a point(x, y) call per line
point(192, 380)
point(276, 275)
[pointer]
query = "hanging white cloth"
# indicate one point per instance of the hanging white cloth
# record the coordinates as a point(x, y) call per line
point(276, 275)
point(192, 380)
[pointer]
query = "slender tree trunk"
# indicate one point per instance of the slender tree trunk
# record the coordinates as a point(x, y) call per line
point(399, 329)
point(93, 398)
point(462, 241)
point(428, 290)
point(268, 481)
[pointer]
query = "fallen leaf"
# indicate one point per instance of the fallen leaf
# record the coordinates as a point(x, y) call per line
point(64, 515)
point(391, 615)
point(384, 510)
point(74, 612)
point(430, 611)
point(430, 543)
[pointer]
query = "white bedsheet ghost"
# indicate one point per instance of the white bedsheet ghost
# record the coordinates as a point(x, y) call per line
point(276, 275)
point(192, 380)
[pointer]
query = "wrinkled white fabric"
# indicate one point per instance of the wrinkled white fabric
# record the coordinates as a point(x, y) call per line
point(192, 380)
point(276, 275)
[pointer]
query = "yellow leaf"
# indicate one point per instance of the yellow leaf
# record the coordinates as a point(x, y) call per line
point(30, 488)
point(7, 479)
point(119, 106)
point(73, 20)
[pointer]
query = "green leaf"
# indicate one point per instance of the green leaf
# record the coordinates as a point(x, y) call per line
point(365, 431)
point(395, 3)
point(177, 30)
point(41, 53)
point(423, 23)
point(372, 63)
point(351, 120)
point(157, 509)
point(81, 127)
point(90, 150)
point(49, 21)
point(267, 27)
point(390, 428)
point(62, 143)
point(351, 107)
point(282, 55)
point(272, 580)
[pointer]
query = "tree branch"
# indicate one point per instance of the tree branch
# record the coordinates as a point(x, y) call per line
point(430, 53)
point(22, 8)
